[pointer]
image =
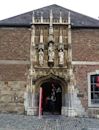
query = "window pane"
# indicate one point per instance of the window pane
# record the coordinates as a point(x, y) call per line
point(92, 95)
point(94, 101)
point(95, 78)
point(92, 79)
point(94, 89)
point(96, 95)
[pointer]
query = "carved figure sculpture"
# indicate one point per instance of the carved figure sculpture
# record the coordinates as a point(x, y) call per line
point(41, 57)
point(50, 53)
point(61, 57)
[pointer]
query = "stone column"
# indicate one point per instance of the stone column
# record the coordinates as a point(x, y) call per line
point(71, 109)
point(71, 99)
point(51, 27)
point(34, 101)
point(32, 96)
point(32, 108)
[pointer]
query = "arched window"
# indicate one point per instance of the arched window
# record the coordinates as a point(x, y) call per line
point(93, 89)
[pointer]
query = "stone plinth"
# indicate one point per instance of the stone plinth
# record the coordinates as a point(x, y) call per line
point(71, 112)
point(32, 111)
point(64, 111)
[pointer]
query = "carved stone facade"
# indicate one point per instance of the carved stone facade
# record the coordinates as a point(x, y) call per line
point(49, 49)
point(50, 60)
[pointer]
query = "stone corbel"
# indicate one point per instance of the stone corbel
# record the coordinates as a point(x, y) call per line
point(61, 47)
point(32, 73)
point(41, 46)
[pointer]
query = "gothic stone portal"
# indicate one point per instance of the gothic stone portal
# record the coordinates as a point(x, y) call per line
point(53, 95)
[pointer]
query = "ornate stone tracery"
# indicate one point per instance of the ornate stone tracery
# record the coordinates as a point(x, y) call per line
point(55, 55)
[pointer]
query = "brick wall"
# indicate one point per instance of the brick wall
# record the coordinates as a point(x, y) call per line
point(14, 43)
point(81, 72)
point(13, 72)
point(85, 44)
point(85, 47)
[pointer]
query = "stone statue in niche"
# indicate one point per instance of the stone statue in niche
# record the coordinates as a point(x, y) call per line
point(41, 57)
point(61, 57)
point(51, 53)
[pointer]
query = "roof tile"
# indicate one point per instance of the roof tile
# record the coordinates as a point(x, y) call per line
point(77, 19)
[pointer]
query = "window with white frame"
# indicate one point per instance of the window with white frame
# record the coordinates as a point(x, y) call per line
point(94, 89)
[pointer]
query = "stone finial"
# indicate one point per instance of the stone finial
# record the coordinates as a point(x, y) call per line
point(33, 18)
point(51, 27)
point(60, 37)
point(41, 17)
point(69, 18)
point(32, 48)
point(51, 17)
point(33, 35)
point(60, 19)
point(41, 36)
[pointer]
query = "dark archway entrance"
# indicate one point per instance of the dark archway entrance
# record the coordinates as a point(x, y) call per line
point(52, 97)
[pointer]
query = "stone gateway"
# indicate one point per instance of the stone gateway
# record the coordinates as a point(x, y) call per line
point(53, 49)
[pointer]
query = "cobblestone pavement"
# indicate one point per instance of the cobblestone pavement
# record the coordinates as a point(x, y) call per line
point(22, 122)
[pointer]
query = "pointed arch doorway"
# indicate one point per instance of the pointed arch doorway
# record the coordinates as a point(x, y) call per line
point(51, 97)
